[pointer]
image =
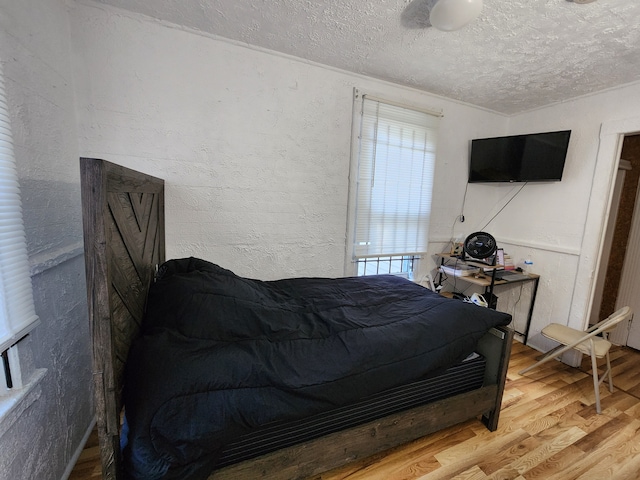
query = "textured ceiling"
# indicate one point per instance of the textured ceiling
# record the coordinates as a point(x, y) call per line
point(517, 56)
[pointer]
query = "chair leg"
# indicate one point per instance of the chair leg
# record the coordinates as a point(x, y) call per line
point(550, 355)
point(596, 381)
point(610, 375)
point(550, 352)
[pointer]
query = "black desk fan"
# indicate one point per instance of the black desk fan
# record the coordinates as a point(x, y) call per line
point(480, 246)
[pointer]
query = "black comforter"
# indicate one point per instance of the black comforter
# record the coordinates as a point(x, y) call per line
point(221, 354)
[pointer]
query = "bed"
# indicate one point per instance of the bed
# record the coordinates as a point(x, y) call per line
point(313, 414)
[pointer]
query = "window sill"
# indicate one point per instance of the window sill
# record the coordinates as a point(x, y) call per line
point(13, 405)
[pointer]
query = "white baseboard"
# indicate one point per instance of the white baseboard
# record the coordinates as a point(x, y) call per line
point(78, 452)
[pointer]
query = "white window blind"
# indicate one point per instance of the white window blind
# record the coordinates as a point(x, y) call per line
point(17, 313)
point(395, 180)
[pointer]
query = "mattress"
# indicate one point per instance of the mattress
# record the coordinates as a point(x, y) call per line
point(221, 356)
point(464, 377)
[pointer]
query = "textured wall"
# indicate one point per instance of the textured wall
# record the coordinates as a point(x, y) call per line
point(255, 147)
point(576, 207)
point(41, 442)
point(517, 56)
point(255, 150)
point(39, 439)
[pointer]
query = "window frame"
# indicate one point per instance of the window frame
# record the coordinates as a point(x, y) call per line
point(17, 310)
point(352, 260)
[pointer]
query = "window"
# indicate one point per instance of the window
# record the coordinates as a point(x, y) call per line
point(396, 264)
point(395, 157)
point(17, 313)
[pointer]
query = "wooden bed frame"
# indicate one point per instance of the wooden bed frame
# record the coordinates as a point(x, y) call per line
point(123, 217)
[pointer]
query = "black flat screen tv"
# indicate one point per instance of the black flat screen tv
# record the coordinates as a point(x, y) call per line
point(536, 157)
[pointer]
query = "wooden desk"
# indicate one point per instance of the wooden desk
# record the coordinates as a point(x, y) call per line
point(488, 281)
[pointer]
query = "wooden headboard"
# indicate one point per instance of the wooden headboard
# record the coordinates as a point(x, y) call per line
point(123, 222)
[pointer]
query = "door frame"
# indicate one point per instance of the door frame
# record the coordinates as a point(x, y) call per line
point(612, 135)
point(600, 277)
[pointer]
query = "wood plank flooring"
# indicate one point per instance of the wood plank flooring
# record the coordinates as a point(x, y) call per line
point(548, 430)
point(88, 464)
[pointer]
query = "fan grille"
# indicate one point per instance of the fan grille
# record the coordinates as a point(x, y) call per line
point(480, 245)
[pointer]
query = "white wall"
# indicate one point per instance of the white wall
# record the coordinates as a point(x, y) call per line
point(255, 150)
point(254, 146)
point(560, 226)
point(40, 435)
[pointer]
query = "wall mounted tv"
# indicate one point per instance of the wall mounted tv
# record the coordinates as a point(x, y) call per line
point(536, 157)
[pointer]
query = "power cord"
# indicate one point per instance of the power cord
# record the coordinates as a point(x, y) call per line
point(504, 206)
point(460, 217)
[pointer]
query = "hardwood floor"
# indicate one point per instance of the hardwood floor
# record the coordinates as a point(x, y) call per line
point(548, 430)
point(88, 464)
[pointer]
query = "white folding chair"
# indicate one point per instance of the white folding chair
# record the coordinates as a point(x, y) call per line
point(593, 342)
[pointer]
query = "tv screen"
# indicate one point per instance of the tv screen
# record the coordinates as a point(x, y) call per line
point(536, 157)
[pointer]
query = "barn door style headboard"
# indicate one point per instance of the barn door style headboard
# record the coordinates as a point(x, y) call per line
point(123, 222)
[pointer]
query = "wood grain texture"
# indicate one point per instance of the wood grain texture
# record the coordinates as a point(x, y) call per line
point(302, 461)
point(548, 430)
point(331, 451)
point(123, 225)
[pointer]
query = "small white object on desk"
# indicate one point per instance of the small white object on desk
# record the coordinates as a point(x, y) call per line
point(461, 270)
